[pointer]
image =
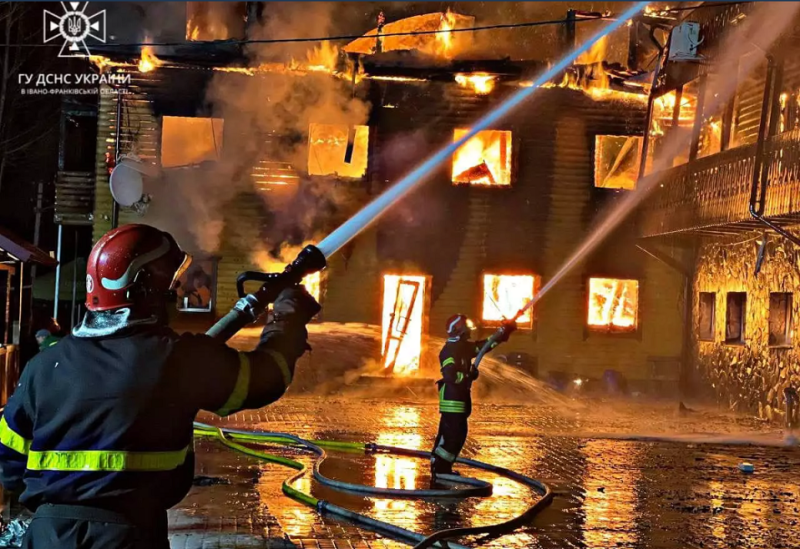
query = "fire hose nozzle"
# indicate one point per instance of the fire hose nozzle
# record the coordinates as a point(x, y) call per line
point(250, 306)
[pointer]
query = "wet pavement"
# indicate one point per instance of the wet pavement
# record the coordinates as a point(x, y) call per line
point(616, 483)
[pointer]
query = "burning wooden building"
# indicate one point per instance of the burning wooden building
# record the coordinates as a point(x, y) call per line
point(728, 206)
point(480, 237)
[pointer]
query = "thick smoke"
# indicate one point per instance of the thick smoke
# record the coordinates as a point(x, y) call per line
point(266, 118)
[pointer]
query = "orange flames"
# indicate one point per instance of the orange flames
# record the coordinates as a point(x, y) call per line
point(444, 40)
point(445, 44)
point(613, 304)
point(327, 147)
point(480, 82)
point(149, 61)
point(267, 263)
point(504, 295)
point(483, 160)
point(403, 302)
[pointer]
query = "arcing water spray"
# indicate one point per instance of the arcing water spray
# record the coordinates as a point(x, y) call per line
point(372, 211)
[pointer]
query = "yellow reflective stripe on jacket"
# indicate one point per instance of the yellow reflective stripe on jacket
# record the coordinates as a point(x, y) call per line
point(282, 364)
point(239, 393)
point(451, 406)
point(105, 460)
point(448, 361)
point(11, 439)
point(459, 377)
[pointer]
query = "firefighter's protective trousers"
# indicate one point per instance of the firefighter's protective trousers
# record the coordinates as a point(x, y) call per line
point(455, 400)
point(101, 426)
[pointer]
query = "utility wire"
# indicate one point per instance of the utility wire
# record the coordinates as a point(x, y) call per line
point(357, 36)
point(579, 19)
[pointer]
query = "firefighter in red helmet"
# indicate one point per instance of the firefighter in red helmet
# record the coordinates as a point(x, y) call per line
point(97, 438)
point(455, 388)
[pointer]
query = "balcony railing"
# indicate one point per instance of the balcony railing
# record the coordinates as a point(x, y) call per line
point(712, 195)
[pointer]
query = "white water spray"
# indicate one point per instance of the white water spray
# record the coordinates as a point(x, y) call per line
point(372, 211)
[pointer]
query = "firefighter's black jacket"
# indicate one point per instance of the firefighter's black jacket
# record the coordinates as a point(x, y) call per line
point(455, 387)
point(107, 422)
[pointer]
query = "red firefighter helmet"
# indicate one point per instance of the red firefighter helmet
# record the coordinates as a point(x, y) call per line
point(458, 325)
point(131, 266)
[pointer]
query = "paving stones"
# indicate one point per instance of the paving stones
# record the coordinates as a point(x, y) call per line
point(609, 492)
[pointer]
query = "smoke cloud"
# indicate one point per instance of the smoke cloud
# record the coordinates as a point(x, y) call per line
point(266, 119)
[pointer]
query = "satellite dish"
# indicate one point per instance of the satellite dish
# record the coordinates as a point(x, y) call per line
point(127, 186)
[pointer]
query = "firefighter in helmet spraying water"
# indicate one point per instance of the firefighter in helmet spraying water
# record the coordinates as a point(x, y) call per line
point(455, 387)
point(97, 438)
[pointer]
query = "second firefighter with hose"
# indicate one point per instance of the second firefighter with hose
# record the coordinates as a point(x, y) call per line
point(455, 389)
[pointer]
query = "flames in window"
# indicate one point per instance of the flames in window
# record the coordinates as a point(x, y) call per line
point(613, 304)
point(403, 302)
point(186, 141)
point(504, 295)
point(483, 160)
point(481, 83)
point(616, 161)
point(336, 149)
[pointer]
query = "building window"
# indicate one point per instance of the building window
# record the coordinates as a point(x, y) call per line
point(613, 304)
point(735, 316)
point(485, 159)
point(336, 149)
point(707, 305)
point(197, 286)
point(504, 295)
point(616, 161)
point(186, 141)
point(403, 308)
point(780, 319)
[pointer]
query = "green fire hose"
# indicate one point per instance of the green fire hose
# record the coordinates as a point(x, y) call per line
point(474, 487)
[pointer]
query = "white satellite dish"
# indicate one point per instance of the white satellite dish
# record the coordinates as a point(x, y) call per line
point(127, 186)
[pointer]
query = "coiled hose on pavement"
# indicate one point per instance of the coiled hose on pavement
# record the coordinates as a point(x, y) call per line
point(474, 487)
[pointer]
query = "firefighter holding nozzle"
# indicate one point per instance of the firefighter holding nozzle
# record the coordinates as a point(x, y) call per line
point(455, 388)
point(97, 437)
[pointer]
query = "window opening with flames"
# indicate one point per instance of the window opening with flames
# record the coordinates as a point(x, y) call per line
point(483, 160)
point(336, 149)
point(403, 304)
point(186, 141)
point(616, 161)
point(504, 295)
point(613, 304)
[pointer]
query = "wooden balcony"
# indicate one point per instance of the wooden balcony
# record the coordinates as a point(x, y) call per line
point(711, 196)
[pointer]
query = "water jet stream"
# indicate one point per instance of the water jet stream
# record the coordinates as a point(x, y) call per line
point(372, 211)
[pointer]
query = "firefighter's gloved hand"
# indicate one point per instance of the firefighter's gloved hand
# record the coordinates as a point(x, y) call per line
point(504, 331)
point(473, 373)
point(294, 304)
point(285, 330)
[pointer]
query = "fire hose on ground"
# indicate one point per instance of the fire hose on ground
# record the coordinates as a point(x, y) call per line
point(466, 487)
point(313, 259)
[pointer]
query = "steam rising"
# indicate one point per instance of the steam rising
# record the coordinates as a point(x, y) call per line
point(266, 119)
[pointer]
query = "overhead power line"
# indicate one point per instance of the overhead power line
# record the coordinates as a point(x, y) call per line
point(350, 37)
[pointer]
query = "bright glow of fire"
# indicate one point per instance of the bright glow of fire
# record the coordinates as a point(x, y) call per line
point(483, 160)
point(327, 150)
point(187, 141)
point(616, 161)
point(266, 262)
point(312, 284)
point(440, 44)
point(444, 40)
point(504, 295)
point(403, 302)
point(149, 61)
point(613, 304)
point(481, 82)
